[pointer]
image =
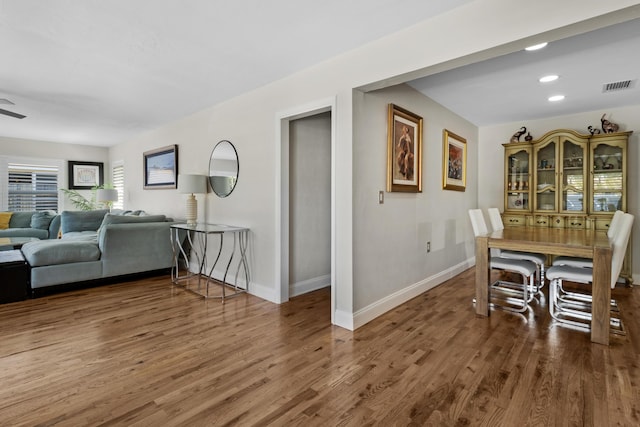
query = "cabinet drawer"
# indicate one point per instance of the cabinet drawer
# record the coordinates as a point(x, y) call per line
point(602, 224)
point(514, 220)
point(558, 222)
point(576, 222)
point(541, 221)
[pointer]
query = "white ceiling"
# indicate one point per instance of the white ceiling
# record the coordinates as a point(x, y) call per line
point(506, 89)
point(98, 72)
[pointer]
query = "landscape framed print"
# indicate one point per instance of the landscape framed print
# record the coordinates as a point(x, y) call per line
point(160, 168)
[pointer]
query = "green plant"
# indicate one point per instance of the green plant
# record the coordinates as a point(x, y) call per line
point(81, 202)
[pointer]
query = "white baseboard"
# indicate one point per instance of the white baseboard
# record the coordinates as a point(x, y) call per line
point(263, 292)
point(636, 279)
point(309, 285)
point(390, 302)
point(343, 319)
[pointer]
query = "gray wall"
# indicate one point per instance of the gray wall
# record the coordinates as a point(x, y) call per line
point(390, 239)
point(310, 203)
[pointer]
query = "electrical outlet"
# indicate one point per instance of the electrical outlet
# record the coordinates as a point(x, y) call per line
point(381, 197)
point(428, 247)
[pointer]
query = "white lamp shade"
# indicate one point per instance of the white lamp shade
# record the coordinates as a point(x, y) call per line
point(190, 184)
point(107, 195)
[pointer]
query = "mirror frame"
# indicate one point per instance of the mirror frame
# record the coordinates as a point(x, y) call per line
point(218, 191)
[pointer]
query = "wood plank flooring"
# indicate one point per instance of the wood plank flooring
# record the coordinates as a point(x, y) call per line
point(144, 353)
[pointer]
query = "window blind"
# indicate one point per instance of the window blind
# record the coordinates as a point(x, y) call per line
point(32, 187)
point(117, 174)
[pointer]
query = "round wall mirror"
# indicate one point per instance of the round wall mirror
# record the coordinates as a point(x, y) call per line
point(223, 168)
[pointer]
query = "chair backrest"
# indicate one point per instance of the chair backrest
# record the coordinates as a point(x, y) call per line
point(620, 242)
point(477, 222)
point(615, 222)
point(496, 219)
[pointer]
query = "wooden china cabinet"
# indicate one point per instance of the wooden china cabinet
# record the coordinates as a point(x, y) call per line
point(567, 180)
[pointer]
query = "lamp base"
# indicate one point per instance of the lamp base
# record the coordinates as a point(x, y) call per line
point(192, 210)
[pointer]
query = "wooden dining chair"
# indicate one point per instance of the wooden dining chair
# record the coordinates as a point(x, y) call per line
point(508, 296)
point(538, 259)
point(574, 313)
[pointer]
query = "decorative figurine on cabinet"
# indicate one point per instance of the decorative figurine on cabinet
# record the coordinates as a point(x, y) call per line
point(607, 126)
point(528, 137)
point(516, 136)
point(593, 131)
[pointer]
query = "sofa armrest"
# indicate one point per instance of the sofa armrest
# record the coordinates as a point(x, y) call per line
point(133, 248)
point(54, 227)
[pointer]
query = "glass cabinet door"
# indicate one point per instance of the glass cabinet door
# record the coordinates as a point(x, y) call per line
point(545, 177)
point(608, 178)
point(574, 169)
point(517, 179)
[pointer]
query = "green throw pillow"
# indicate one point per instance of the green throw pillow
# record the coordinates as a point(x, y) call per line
point(42, 220)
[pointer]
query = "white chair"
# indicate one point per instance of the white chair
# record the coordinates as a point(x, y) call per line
point(508, 296)
point(574, 313)
point(538, 259)
point(587, 262)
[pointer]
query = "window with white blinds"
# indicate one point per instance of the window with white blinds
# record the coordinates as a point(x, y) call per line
point(117, 176)
point(32, 187)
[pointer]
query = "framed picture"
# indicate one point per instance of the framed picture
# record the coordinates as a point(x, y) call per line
point(160, 167)
point(454, 165)
point(404, 150)
point(85, 175)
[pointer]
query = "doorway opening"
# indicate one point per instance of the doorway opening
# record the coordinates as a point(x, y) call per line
point(306, 201)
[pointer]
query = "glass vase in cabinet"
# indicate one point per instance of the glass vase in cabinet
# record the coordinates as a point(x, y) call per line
point(545, 177)
point(517, 177)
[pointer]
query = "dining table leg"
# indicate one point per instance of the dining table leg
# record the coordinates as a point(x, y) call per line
point(482, 275)
point(601, 295)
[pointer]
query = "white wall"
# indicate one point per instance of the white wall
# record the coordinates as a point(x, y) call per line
point(15, 147)
point(491, 155)
point(249, 121)
point(389, 239)
point(310, 203)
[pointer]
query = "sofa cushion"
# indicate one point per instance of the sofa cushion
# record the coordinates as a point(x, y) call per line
point(54, 252)
point(5, 218)
point(82, 220)
point(21, 219)
point(41, 220)
point(90, 236)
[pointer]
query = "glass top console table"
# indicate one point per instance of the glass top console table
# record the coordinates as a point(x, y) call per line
point(191, 243)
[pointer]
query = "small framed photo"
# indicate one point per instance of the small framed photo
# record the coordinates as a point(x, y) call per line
point(404, 150)
point(160, 167)
point(85, 175)
point(454, 165)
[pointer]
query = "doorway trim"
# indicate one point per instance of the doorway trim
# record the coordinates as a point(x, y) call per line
point(283, 119)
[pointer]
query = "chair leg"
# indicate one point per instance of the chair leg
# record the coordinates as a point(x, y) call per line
point(560, 309)
point(516, 295)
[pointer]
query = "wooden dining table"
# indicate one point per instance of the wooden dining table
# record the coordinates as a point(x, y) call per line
point(553, 241)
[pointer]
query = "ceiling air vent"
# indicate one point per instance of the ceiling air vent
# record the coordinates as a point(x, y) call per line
point(616, 86)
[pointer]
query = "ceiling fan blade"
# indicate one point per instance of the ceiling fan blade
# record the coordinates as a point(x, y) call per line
point(12, 114)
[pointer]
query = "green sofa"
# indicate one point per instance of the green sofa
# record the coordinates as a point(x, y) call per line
point(39, 224)
point(98, 245)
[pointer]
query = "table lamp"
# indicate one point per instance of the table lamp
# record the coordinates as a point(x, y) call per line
point(191, 184)
point(107, 196)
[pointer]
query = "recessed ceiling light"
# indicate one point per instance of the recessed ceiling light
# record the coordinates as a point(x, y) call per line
point(536, 46)
point(556, 98)
point(549, 78)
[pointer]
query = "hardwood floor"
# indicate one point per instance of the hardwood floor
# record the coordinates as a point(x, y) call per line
point(146, 353)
